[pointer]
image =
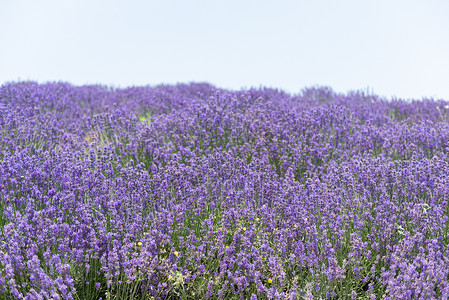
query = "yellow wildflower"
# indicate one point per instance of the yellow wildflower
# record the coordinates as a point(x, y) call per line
point(139, 244)
point(269, 280)
point(176, 253)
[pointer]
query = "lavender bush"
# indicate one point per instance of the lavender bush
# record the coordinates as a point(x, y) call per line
point(192, 192)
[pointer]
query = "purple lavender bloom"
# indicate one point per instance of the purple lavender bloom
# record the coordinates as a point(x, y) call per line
point(313, 195)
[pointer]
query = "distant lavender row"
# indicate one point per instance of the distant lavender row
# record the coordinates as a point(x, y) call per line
point(194, 192)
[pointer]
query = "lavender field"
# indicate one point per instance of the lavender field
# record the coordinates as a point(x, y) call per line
point(194, 192)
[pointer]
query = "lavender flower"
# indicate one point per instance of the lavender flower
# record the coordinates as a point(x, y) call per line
point(254, 194)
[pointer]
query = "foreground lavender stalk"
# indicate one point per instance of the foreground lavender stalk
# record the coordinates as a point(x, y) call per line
point(192, 192)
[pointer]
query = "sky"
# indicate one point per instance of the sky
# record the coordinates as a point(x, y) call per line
point(393, 48)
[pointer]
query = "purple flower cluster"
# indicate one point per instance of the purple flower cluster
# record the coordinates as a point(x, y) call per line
point(193, 192)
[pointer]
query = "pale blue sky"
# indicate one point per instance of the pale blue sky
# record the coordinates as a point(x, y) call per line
point(395, 48)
